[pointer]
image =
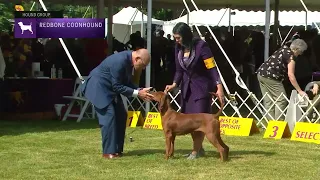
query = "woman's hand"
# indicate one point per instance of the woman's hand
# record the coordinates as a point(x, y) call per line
point(169, 87)
point(303, 94)
point(220, 92)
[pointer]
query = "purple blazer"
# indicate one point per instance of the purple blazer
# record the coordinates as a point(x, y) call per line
point(196, 75)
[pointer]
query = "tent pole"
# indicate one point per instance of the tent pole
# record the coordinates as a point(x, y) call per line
point(133, 17)
point(32, 6)
point(188, 11)
point(267, 30)
point(181, 13)
point(306, 25)
point(65, 48)
point(275, 25)
point(149, 31)
point(229, 27)
point(85, 13)
point(280, 36)
point(305, 7)
point(110, 24)
point(92, 14)
point(222, 16)
point(142, 22)
point(188, 18)
point(287, 36)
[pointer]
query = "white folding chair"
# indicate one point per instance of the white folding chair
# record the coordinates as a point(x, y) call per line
point(78, 99)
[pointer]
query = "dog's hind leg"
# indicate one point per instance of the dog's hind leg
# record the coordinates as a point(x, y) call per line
point(222, 148)
point(225, 147)
point(217, 135)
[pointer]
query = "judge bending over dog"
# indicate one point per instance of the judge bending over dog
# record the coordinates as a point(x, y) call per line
point(197, 75)
point(103, 88)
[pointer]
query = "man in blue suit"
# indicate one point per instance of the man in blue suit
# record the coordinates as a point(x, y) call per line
point(103, 88)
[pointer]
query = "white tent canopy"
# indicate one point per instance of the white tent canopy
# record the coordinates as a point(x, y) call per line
point(242, 18)
point(130, 20)
point(132, 16)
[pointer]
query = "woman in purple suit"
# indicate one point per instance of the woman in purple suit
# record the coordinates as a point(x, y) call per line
point(197, 75)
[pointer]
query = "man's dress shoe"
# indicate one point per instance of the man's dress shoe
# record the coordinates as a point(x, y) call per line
point(110, 156)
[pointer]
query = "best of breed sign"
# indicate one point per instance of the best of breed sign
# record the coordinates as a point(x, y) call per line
point(153, 121)
point(236, 126)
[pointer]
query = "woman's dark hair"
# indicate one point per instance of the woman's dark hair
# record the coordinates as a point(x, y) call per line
point(185, 32)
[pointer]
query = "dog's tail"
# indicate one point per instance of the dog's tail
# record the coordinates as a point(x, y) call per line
point(222, 103)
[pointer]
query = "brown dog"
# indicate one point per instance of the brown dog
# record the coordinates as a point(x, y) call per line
point(175, 123)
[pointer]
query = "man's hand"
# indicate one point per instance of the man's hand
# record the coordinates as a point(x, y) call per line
point(144, 94)
point(315, 89)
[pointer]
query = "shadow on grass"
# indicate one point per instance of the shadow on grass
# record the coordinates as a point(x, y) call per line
point(181, 152)
point(13, 128)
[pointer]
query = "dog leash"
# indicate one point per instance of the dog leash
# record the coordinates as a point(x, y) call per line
point(131, 138)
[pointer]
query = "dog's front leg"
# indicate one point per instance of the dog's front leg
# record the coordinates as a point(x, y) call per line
point(168, 146)
point(172, 146)
point(168, 135)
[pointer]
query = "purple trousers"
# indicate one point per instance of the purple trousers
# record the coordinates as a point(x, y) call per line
point(190, 106)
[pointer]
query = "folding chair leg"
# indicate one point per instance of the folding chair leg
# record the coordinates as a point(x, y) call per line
point(68, 110)
point(83, 110)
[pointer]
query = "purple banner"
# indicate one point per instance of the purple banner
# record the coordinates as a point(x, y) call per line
point(59, 28)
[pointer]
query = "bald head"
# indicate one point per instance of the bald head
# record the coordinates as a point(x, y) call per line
point(144, 55)
point(140, 58)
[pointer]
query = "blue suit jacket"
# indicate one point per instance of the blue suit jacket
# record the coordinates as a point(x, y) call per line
point(109, 79)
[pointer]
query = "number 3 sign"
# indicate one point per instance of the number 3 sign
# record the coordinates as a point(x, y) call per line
point(277, 130)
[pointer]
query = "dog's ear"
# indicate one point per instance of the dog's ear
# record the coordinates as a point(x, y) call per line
point(162, 102)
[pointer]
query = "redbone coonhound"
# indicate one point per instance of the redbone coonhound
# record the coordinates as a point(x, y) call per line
point(175, 123)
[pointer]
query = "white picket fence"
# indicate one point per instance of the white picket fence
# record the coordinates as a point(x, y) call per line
point(248, 107)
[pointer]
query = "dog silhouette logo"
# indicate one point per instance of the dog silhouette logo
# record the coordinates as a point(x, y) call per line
point(25, 27)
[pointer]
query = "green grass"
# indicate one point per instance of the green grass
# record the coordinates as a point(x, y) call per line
point(55, 150)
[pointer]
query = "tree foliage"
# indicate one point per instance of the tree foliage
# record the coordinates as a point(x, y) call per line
point(6, 17)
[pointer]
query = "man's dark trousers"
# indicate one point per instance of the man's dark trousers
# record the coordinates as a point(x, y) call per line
point(112, 120)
